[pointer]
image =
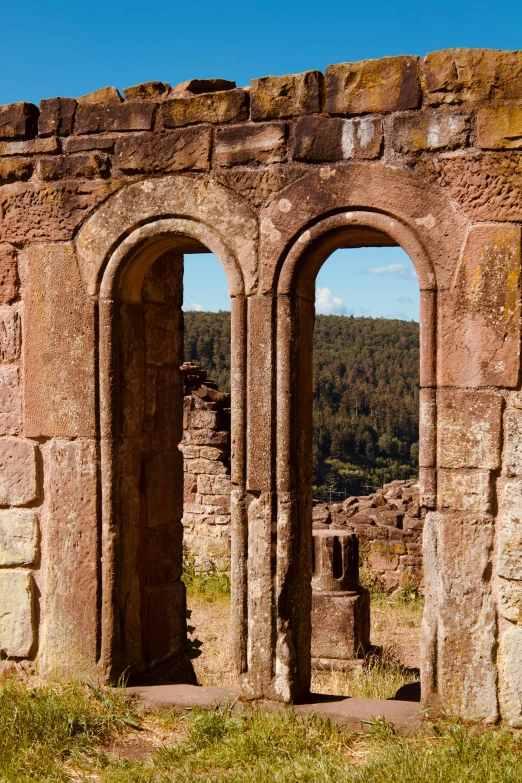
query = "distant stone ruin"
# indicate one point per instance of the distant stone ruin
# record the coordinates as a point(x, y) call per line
point(389, 526)
point(100, 198)
point(206, 465)
point(388, 522)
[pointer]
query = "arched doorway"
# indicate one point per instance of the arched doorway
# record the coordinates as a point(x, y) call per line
point(296, 313)
point(141, 350)
point(365, 473)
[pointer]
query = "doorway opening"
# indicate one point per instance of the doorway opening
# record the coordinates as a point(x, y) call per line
point(206, 449)
point(366, 372)
point(365, 469)
point(146, 398)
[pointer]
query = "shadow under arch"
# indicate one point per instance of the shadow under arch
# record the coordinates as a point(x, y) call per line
point(143, 623)
point(294, 442)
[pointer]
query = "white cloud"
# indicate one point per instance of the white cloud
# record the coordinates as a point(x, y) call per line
point(398, 270)
point(197, 308)
point(328, 304)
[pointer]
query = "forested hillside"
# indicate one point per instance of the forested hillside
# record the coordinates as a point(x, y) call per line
point(366, 395)
point(207, 342)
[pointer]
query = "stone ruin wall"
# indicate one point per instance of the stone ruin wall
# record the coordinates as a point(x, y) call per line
point(206, 469)
point(389, 525)
point(388, 522)
point(421, 152)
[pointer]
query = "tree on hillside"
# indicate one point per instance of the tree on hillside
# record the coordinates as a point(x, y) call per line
point(366, 395)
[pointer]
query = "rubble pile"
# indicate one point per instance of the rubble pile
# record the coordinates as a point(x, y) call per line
point(389, 524)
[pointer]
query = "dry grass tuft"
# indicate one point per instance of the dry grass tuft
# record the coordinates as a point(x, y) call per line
point(48, 731)
point(380, 677)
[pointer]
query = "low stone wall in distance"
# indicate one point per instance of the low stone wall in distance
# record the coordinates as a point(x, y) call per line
point(389, 524)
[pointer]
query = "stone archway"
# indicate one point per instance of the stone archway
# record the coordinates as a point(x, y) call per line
point(119, 264)
point(89, 191)
point(421, 219)
point(296, 315)
point(339, 206)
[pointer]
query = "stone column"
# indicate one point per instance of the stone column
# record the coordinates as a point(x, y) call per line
point(468, 627)
point(260, 498)
point(296, 317)
point(238, 496)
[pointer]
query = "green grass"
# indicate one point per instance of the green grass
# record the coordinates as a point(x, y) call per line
point(454, 753)
point(223, 746)
point(45, 731)
point(60, 732)
point(407, 595)
point(283, 748)
point(205, 587)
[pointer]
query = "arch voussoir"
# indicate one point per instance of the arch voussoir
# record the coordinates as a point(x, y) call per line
point(209, 213)
point(418, 213)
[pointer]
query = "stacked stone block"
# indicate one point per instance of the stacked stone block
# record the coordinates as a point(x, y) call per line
point(206, 460)
point(402, 109)
point(20, 484)
point(420, 152)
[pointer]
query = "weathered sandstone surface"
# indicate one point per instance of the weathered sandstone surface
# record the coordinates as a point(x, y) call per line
point(389, 526)
point(100, 197)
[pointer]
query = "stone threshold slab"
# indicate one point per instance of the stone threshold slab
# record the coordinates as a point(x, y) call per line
point(354, 713)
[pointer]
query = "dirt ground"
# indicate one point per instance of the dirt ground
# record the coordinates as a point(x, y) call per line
point(394, 626)
point(398, 627)
point(211, 619)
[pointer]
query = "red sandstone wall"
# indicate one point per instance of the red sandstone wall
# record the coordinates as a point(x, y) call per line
point(425, 151)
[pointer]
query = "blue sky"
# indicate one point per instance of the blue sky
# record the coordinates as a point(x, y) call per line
point(378, 282)
point(66, 48)
point(59, 47)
